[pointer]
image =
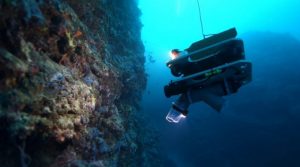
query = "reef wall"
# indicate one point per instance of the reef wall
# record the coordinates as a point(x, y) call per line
point(71, 78)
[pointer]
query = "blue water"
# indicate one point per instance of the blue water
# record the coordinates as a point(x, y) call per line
point(260, 124)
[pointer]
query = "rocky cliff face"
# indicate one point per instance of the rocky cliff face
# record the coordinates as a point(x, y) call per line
point(71, 77)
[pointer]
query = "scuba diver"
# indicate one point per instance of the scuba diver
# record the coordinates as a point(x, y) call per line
point(209, 69)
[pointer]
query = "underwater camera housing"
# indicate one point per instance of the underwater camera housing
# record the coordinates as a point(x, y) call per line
point(208, 69)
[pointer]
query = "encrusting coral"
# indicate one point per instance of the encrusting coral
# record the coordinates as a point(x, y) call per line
point(71, 77)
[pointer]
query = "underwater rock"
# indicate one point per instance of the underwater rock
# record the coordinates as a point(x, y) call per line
point(90, 80)
point(32, 11)
point(102, 109)
point(82, 163)
point(46, 110)
point(68, 83)
point(57, 77)
point(12, 62)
